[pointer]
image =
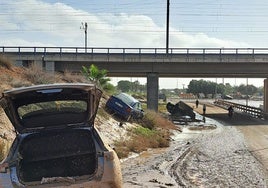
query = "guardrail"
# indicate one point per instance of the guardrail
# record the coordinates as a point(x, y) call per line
point(253, 111)
point(20, 49)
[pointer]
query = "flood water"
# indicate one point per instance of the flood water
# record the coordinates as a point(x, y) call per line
point(253, 103)
point(257, 104)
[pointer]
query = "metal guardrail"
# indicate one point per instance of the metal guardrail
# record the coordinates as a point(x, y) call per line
point(204, 51)
point(253, 111)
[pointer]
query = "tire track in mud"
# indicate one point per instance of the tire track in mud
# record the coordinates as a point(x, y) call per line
point(219, 159)
point(209, 159)
point(173, 171)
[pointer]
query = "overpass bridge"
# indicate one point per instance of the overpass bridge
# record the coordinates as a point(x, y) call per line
point(150, 62)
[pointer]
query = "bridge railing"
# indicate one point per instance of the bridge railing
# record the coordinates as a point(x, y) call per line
point(253, 111)
point(18, 49)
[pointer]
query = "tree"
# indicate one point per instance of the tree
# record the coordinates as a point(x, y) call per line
point(228, 89)
point(95, 75)
point(110, 88)
point(135, 86)
point(127, 86)
point(206, 87)
point(247, 90)
point(124, 85)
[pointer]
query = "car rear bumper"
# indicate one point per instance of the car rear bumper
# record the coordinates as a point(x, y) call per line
point(111, 177)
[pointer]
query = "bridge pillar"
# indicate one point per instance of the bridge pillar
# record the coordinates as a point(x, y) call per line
point(265, 102)
point(50, 66)
point(152, 91)
point(38, 64)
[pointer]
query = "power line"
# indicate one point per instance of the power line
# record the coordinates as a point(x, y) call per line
point(216, 17)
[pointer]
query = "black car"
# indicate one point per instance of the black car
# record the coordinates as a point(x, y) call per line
point(57, 144)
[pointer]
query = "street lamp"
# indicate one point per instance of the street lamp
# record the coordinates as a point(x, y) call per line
point(84, 27)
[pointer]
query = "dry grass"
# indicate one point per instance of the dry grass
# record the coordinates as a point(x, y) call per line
point(154, 132)
point(2, 150)
point(140, 140)
point(35, 75)
point(11, 78)
point(102, 113)
point(153, 120)
point(5, 62)
point(70, 77)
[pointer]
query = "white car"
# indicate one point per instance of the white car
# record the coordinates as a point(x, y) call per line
point(56, 143)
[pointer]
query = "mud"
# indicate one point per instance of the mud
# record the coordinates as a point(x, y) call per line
point(207, 158)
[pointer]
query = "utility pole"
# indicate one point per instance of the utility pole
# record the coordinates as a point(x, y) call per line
point(167, 31)
point(247, 93)
point(216, 89)
point(84, 27)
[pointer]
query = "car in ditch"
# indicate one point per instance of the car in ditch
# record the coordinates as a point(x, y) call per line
point(125, 106)
point(56, 143)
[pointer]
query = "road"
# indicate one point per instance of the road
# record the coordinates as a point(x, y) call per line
point(255, 131)
point(207, 158)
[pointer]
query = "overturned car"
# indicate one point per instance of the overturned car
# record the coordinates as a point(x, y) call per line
point(57, 144)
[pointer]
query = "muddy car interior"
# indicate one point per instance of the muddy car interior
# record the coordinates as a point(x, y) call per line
point(57, 154)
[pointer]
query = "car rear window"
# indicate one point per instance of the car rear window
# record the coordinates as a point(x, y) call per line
point(43, 108)
point(126, 98)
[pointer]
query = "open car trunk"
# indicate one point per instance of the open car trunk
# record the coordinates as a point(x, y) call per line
point(62, 153)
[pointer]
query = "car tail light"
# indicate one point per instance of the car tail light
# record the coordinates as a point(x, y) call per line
point(129, 110)
point(3, 167)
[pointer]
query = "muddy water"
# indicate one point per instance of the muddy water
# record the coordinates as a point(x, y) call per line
point(208, 158)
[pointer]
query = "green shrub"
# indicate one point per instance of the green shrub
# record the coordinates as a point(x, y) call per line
point(143, 131)
point(141, 139)
point(153, 120)
point(154, 132)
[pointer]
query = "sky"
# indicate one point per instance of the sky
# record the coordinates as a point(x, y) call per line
point(137, 24)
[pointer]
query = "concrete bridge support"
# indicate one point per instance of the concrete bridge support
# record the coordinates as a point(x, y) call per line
point(38, 64)
point(152, 91)
point(50, 66)
point(265, 102)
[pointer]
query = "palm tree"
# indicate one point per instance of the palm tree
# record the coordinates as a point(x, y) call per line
point(95, 75)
